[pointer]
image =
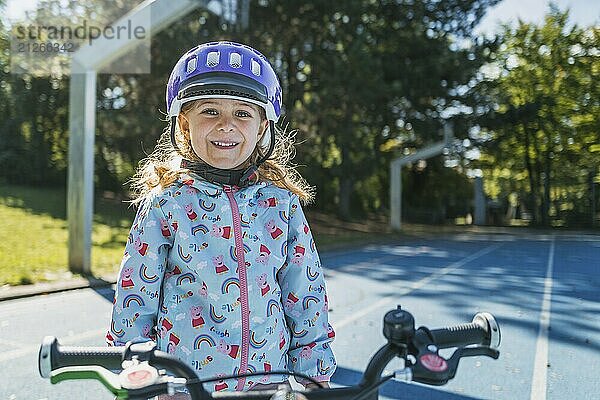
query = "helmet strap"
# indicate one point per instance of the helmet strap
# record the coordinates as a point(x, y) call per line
point(232, 177)
point(172, 129)
point(271, 144)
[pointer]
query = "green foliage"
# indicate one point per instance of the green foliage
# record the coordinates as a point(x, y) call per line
point(437, 191)
point(34, 108)
point(362, 80)
point(35, 248)
point(546, 118)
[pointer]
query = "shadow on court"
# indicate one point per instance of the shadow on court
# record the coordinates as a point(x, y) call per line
point(105, 292)
point(512, 275)
point(396, 390)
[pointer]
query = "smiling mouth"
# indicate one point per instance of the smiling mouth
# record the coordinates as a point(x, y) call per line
point(224, 145)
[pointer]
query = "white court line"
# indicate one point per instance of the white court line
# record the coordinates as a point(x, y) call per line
point(540, 365)
point(415, 286)
point(27, 350)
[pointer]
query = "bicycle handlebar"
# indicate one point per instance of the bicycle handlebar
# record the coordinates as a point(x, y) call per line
point(142, 364)
point(53, 356)
point(483, 324)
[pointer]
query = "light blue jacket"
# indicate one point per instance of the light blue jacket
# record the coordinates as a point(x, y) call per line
point(228, 280)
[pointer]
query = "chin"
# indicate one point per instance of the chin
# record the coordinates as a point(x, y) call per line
point(226, 165)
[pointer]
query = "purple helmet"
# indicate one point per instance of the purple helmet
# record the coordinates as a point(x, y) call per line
point(224, 70)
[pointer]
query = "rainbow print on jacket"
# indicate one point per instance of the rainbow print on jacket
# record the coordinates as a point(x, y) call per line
point(225, 292)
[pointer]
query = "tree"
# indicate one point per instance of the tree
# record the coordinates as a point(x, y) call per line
point(365, 79)
point(545, 119)
point(34, 119)
point(362, 80)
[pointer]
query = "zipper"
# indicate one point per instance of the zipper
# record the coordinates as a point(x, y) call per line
point(245, 309)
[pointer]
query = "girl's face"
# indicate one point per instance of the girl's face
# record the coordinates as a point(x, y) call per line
point(223, 132)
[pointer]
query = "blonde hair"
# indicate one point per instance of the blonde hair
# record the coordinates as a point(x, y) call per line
point(162, 168)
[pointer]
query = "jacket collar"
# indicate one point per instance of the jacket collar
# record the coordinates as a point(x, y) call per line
point(201, 184)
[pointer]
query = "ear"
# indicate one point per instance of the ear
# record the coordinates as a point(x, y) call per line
point(264, 126)
point(184, 123)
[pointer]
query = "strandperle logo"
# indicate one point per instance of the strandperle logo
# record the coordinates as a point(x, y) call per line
point(43, 49)
point(82, 32)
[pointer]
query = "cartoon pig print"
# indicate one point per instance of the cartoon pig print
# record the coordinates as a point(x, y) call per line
point(220, 268)
point(191, 190)
point(264, 254)
point(175, 271)
point(221, 231)
point(306, 351)
point(290, 301)
point(261, 280)
point(298, 257)
point(306, 229)
point(281, 340)
point(126, 280)
point(330, 331)
point(232, 350)
point(142, 248)
point(146, 329)
point(165, 327)
point(273, 229)
point(270, 202)
point(265, 378)
point(173, 342)
point(221, 384)
point(190, 212)
point(203, 291)
point(164, 228)
point(196, 314)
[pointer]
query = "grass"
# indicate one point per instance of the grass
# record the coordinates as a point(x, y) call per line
point(33, 243)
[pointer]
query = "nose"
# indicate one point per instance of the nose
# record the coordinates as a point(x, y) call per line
point(225, 124)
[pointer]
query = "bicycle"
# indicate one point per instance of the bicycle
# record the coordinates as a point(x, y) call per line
point(144, 369)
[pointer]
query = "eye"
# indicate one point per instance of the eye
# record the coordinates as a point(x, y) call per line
point(243, 114)
point(209, 111)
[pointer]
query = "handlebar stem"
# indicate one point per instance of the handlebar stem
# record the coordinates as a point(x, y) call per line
point(376, 366)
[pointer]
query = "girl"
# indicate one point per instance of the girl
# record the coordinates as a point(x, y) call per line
point(220, 267)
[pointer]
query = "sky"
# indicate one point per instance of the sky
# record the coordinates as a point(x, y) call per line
point(583, 12)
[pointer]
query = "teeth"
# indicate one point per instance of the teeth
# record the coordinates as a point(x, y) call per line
point(223, 144)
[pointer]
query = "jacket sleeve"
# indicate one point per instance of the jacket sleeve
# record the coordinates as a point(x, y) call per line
point(137, 293)
point(305, 302)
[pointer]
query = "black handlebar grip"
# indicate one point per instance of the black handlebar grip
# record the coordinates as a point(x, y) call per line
point(52, 356)
point(484, 330)
point(458, 336)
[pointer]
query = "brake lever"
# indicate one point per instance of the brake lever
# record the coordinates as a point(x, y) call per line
point(432, 369)
point(109, 379)
point(476, 351)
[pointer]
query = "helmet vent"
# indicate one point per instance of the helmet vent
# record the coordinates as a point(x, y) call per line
point(191, 65)
point(212, 59)
point(255, 66)
point(235, 60)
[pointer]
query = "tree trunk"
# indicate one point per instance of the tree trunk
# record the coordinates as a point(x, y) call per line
point(547, 184)
point(346, 185)
point(538, 205)
point(532, 184)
